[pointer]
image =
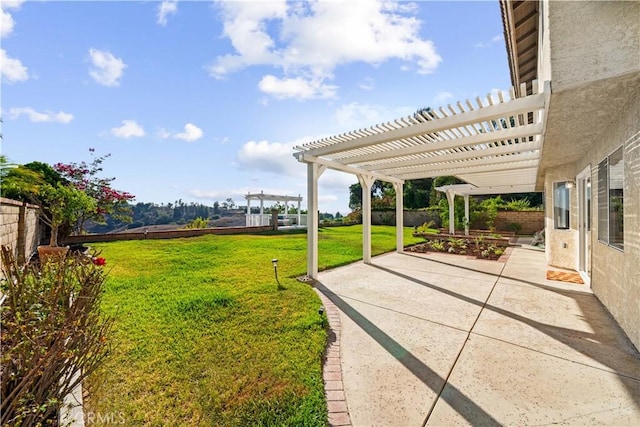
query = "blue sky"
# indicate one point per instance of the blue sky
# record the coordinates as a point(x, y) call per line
point(204, 100)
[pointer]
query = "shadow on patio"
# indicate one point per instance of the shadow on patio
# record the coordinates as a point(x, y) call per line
point(445, 339)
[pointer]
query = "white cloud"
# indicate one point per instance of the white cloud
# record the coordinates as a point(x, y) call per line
point(12, 4)
point(355, 115)
point(442, 97)
point(107, 69)
point(6, 23)
point(499, 38)
point(6, 20)
point(273, 157)
point(298, 88)
point(191, 133)
point(38, 117)
point(165, 9)
point(335, 180)
point(307, 41)
point(164, 134)
point(128, 129)
point(11, 69)
point(237, 194)
point(367, 84)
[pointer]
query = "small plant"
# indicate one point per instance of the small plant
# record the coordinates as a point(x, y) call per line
point(457, 243)
point(478, 240)
point(515, 227)
point(437, 245)
point(425, 228)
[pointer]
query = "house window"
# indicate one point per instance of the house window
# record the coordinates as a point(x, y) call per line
point(611, 200)
point(561, 204)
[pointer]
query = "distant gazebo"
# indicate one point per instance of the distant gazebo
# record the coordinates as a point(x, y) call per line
point(262, 219)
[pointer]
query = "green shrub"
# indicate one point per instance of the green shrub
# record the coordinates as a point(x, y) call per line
point(515, 227)
point(518, 205)
point(197, 223)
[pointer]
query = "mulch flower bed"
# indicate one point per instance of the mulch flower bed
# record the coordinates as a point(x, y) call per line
point(478, 246)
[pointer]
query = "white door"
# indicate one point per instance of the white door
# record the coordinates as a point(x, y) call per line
point(584, 224)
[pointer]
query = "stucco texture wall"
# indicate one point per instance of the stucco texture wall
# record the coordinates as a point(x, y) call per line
point(616, 273)
point(592, 40)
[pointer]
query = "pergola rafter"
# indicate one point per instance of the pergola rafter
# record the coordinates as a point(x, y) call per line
point(493, 144)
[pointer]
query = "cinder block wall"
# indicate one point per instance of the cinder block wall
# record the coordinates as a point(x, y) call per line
point(9, 215)
point(19, 227)
point(530, 221)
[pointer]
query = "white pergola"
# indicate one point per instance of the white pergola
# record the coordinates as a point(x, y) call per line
point(493, 145)
point(262, 197)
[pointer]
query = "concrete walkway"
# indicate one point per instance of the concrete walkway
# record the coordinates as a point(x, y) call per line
point(441, 339)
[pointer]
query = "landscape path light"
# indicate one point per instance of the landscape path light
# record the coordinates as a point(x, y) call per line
point(275, 271)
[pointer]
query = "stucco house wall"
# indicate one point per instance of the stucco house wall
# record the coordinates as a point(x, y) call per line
point(616, 273)
point(592, 51)
point(592, 41)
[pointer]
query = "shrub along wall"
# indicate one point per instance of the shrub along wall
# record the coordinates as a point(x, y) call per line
point(410, 218)
point(530, 221)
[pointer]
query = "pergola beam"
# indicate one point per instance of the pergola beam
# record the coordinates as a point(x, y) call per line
point(487, 113)
point(448, 144)
point(478, 161)
point(522, 147)
point(462, 170)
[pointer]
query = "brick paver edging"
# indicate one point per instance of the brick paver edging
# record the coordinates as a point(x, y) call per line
point(332, 364)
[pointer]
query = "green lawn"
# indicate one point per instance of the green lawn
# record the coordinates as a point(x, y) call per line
point(203, 336)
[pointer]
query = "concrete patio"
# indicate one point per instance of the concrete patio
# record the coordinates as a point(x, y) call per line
point(441, 339)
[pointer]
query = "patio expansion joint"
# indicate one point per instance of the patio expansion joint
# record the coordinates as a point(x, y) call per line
point(466, 340)
point(337, 408)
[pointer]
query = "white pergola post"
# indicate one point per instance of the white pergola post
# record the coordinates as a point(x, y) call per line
point(399, 216)
point(451, 198)
point(248, 222)
point(366, 182)
point(286, 209)
point(466, 214)
point(261, 210)
point(314, 171)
